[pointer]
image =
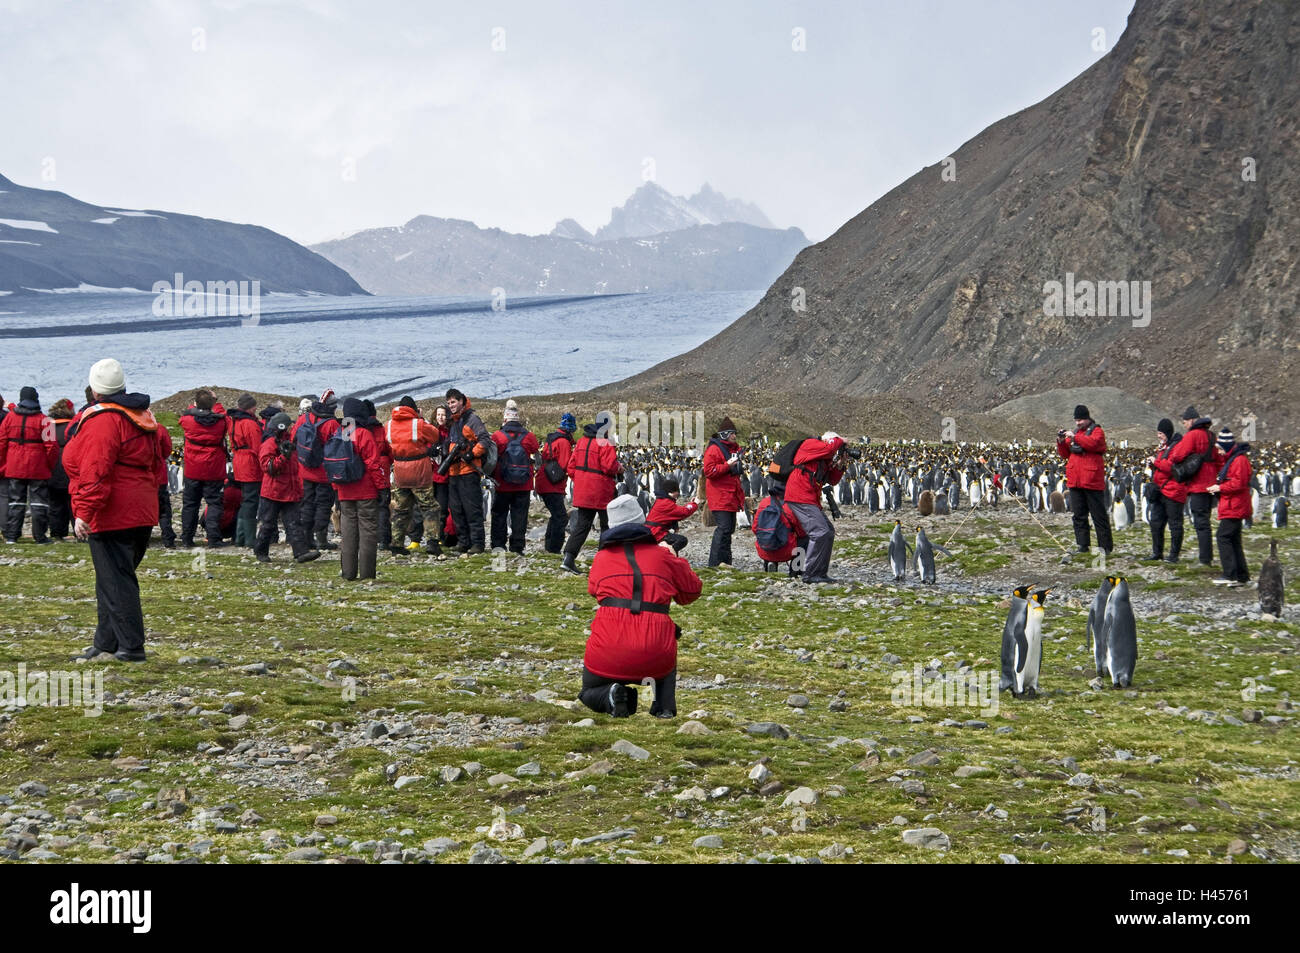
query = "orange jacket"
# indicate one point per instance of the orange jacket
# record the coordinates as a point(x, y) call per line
point(466, 428)
point(411, 436)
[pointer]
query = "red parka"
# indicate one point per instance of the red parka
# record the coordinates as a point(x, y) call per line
point(529, 442)
point(813, 470)
point(1161, 476)
point(326, 425)
point(1085, 470)
point(593, 467)
point(629, 646)
point(558, 447)
point(165, 448)
point(1234, 485)
point(664, 514)
point(28, 445)
point(205, 443)
point(113, 461)
point(281, 480)
point(374, 479)
point(722, 489)
point(1197, 440)
point(410, 436)
point(384, 449)
point(245, 439)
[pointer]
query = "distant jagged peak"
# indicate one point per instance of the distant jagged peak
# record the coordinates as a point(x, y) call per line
point(653, 210)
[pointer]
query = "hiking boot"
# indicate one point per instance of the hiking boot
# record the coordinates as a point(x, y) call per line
point(621, 700)
point(43, 541)
point(263, 557)
point(307, 557)
point(187, 544)
point(818, 580)
point(397, 550)
point(476, 549)
point(217, 544)
point(123, 655)
point(1152, 558)
point(665, 713)
point(1222, 581)
point(91, 653)
point(1172, 560)
point(432, 548)
point(568, 565)
point(322, 542)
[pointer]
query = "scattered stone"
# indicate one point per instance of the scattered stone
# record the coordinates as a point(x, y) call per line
point(500, 780)
point(407, 779)
point(591, 723)
point(973, 771)
point(305, 854)
point(1081, 780)
point(708, 841)
point(536, 847)
point(771, 788)
point(256, 668)
point(692, 794)
point(1236, 847)
point(799, 797)
point(595, 769)
point(238, 722)
point(602, 838)
point(326, 820)
point(531, 769)
point(694, 728)
point(769, 729)
point(374, 729)
point(913, 787)
point(759, 774)
point(440, 845)
point(1008, 858)
point(623, 746)
point(797, 701)
point(924, 759)
point(450, 774)
point(33, 789)
point(931, 838)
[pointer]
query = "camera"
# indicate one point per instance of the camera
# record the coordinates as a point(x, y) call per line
point(853, 452)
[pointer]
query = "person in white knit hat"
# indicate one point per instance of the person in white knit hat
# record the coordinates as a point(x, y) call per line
point(634, 580)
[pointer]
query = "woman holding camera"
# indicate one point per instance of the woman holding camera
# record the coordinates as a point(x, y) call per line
point(1085, 474)
point(1169, 498)
point(817, 464)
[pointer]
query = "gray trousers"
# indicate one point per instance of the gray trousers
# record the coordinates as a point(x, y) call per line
point(821, 538)
point(359, 546)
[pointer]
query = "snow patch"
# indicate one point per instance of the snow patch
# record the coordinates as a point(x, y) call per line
point(28, 224)
point(403, 256)
point(128, 214)
point(4, 241)
point(103, 221)
point(83, 287)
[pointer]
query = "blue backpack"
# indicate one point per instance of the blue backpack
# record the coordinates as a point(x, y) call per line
point(341, 461)
point(516, 467)
point(770, 532)
point(311, 449)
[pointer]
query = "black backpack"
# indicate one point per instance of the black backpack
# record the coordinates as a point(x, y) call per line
point(770, 531)
point(311, 449)
point(550, 466)
point(341, 461)
point(782, 465)
point(515, 465)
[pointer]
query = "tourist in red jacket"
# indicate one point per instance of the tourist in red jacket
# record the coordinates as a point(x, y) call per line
point(1197, 441)
point(1167, 508)
point(514, 479)
point(165, 527)
point(635, 580)
point(414, 442)
point(721, 467)
point(61, 413)
point(280, 493)
point(1233, 486)
point(28, 452)
point(794, 532)
point(1085, 474)
point(359, 499)
point(317, 492)
point(441, 486)
point(231, 498)
point(112, 460)
point(555, 453)
point(666, 512)
point(817, 465)
point(245, 440)
point(385, 450)
point(593, 468)
point(206, 428)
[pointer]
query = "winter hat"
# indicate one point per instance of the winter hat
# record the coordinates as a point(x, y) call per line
point(624, 509)
point(1190, 413)
point(107, 377)
point(327, 397)
point(354, 408)
point(29, 397)
point(1081, 413)
point(407, 401)
point(667, 485)
point(1166, 427)
point(509, 414)
point(62, 409)
point(246, 402)
point(726, 425)
point(370, 407)
point(1226, 440)
point(304, 405)
point(590, 430)
point(280, 422)
point(568, 423)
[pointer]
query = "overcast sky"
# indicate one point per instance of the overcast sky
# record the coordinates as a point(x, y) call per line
point(321, 117)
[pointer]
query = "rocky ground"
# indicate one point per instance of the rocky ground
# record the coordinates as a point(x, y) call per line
point(287, 716)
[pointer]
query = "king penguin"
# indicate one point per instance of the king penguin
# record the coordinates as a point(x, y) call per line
point(924, 556)
point(1280, 506)
point(1029, 646)
point(1013, 630)
point(1119, 631)
point(1096, 615)
point(1271, 583)
point(898, 552)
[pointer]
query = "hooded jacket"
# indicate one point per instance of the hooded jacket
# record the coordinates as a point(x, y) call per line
point(281, 480)
point(626, 645)
point(466, 428)
point(1234, 484)
point(529, 444)
point(558, 447)
point(722, 489)
point(1197, 440)
point(1085, 468)
point(813, 470)
point(245, 439)
point(411, 437)
point(326, 423)
point(205, 443)
point(1161, 474)
point(593, 467)
point(113, 461)
point(28, 447)
point(664, 514)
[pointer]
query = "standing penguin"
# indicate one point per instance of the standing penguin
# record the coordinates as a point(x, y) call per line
point(924, 556)
point(898, 552)
point(1096, 615)
point(1013, 630)
point(1120, 517)
point(925, 503)
point(1029, 647)
point(1280, 506)
point(1119, 632)
point(1271, 583)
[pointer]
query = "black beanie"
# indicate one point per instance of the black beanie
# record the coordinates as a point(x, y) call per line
point(590, 430)
point(1166, 426)
point(28, 395)
point(1081, 413)
point(354, 408)
point(407, 401)
point(1190, 413)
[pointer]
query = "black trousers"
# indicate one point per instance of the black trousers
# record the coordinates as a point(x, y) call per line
point(1200, 504)
point(720, 548)
point(512, 505)
point(676, 540)
point(1231, 556)
point(1165, 511)
point(252, 492)
point(580, 520)
point(385, 514)
point(268, 513)
point(115, 555)
point(465, 494)
point(595, 692)
point(165, 515)
point(555, 525)
point(194, 492)
point(1083, 503)
point(60, 511)
point(24, 493)
point(442, 493)
point(316, 507)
